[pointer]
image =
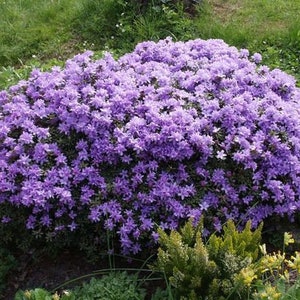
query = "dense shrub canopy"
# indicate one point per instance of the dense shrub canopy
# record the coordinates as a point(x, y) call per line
point(167, 132)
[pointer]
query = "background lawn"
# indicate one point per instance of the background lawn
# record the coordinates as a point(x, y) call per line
point(45, 33)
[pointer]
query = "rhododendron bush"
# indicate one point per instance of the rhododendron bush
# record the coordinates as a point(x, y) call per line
point(170, 131)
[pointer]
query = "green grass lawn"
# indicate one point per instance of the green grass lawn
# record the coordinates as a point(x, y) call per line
point(35, 28)
point(44, 33)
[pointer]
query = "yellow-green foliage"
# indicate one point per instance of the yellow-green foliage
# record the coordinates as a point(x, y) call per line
point(219, 269)
point(244, 244)
point(184, 259)
point(234, 253)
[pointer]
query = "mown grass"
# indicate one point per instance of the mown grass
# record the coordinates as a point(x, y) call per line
point(44, 33)
point(35, 27)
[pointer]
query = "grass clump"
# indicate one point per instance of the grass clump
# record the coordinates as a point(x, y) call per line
point(121, 24)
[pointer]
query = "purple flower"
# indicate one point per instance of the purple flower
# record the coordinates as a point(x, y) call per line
point(170, 131)
point(6, 219)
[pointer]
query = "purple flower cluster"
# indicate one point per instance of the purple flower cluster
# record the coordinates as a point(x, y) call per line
point(170, 131)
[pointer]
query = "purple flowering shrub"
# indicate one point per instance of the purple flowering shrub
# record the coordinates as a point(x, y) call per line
point(170, 131)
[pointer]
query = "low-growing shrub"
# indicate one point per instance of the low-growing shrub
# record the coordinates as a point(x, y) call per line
point(229, 265)
point(170, 131)
point(115, 286)
point(222, 268)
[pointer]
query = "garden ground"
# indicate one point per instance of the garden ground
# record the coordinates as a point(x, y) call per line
point(47, 272)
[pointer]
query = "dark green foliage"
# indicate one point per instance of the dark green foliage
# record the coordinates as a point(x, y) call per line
point(97, 20)
point(14, 235)
point(7, 263)
point(160, 294)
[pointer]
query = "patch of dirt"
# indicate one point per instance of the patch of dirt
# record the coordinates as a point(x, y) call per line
point(71, 266)
point(228, 10)
point(225, 10)
point(48, 272)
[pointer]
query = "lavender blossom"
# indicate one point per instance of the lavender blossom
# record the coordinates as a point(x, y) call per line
point(170, 131)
